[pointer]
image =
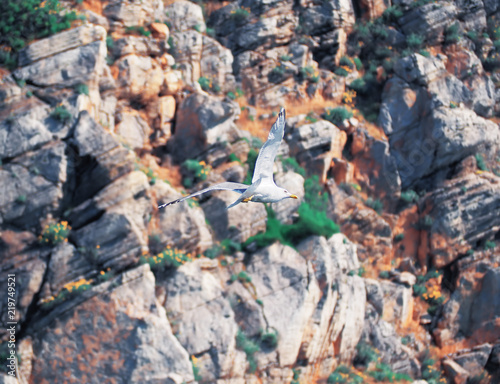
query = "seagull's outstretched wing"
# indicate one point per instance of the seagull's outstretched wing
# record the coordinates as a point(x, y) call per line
point(267, 154)
point(229, 186)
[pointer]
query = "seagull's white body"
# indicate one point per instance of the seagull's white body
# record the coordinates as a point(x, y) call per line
point(263, 188)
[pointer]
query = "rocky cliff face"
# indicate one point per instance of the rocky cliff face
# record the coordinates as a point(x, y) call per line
point(392, 139)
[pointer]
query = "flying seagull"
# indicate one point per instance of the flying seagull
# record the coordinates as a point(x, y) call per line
point(263, 188)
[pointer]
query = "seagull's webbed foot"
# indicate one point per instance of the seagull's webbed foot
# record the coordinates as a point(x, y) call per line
point(247, 199)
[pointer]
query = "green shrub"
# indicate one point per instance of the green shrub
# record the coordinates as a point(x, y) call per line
point(414, 41)
point(285, 58)
point(392, 13)
point(197, 170)
point(383, 372)
point(170, 257)
point(251, 159)
point(337, 115)
point(409, 196)
point(358, 63)
point(21, 199)
point(376, 205)
point(269, 339)
point(480, 162)
point(346, 61)
point(240, 15)
point(82, 89)
point(341, 72)
point(230, 246)
point(399, 237)
point(231, 95)
point(213, 252)
point(291, 164)
point(205, 83)
point(24, 21)
point(359, 85)
point(138, 30)
point(365, 353)
point(244, 277)
point(55, 233)
point(489, 245)
point(61, 114)
point(249, 347)
point(451, 34)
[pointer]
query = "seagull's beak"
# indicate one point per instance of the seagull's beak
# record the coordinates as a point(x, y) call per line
point(294, 196)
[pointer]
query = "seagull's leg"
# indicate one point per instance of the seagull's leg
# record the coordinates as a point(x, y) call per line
point(247, 199)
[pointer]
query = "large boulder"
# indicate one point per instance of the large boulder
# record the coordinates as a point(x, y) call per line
point(201, 122)
point(139, 77)
point(452, 232)
point(426, 131)
point(186, 48)
point(133, 13)
point(204, 321)
point(133, 342)
point(184, 15)
point(32, 185)
point(182, 225)
point(216, 64)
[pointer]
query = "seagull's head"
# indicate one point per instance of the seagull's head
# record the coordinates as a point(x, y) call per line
point(288, 195)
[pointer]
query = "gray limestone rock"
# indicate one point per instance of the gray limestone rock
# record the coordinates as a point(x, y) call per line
point(114, 240)
point(132, 129)
point(139, 77)
point(186, 48)
point(31, 186)
point(429, 20)
point(473, 360)
point(201, 122)
point(117, 326)
point(182, 225)
point(133, 13)
point(314, 145)
point(463, 212)
point(67, 68)
point(216, 64)
point(184, 15)
point(204, 321)
point(61, 42)
point(238, 223)
point(139, 45)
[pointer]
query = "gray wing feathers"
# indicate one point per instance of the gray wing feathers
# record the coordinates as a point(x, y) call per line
point(265, 161)
point(229, 186)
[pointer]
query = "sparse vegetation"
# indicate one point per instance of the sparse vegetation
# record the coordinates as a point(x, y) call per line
point(383, 372)
point(249, 347)
point(409, 196)
point(337, 115)
point(55, 233)
point(481, 164)
point(61, 114)
point(169, 258)
point(194, 171)
point(140, 30)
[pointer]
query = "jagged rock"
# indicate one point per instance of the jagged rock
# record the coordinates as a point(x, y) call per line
point(397, 303)
point(180, 226)
point(26, 261)
point(201, 121)
point(429, 20)
point(453, 370)
point(162, 112)
point(66, 264)
point(96, 19)
point(138, 45)
point(122, 191)
point(114, 240)
point(32, 185)
point(100, 158)
point(216, 64)
point(184, 15)
point(132, 128)
point(473, 360)
point(172, 82)
point(67, 68)
point(264, 33)
point(61, 42)
point(139, 77)
point(204, 321)
point(315, 145)
point(476, 291)
point(248, 313)
point(141, 323)
point(131, 13)
point(425, 134)
point(472, 14)
point(339, 299)
point(318, 20)
point(238, 223)
point(279, 275)
point(187, 49)
point(454, 231)
point(370, 231)
point(294, 183)
point(419, 69)
point(383, 337)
